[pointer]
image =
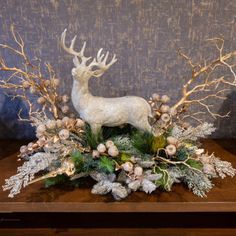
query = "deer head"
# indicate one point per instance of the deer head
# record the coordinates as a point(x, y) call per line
point(85, 68)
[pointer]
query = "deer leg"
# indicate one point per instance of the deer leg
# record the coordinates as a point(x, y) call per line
point(95, 129)
point(147, 127)
point(143, 125)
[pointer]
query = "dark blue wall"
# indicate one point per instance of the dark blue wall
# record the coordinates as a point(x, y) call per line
point(143, 33)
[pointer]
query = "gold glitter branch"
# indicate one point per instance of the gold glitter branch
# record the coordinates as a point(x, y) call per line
point(29, 77)
point(203, 84)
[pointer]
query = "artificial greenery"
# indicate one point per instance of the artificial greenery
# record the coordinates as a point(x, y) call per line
point(163, 182)
point(92, 139)
point(83, 162)
point(195, 164)
point(59, 179)
point(142, 141)
point(181, 154)
point(106, 164)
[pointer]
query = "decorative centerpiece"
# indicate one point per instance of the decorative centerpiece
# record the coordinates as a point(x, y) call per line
point(126, 143)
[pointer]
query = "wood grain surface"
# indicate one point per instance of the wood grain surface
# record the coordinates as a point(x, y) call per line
point(120, 232)
point(144, 34)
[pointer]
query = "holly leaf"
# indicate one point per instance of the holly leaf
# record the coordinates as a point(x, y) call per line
point(195, 164)
point(163, 182)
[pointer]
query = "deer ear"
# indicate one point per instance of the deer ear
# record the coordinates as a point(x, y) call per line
point(76, 61)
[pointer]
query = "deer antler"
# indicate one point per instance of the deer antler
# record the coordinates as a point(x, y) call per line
point(70, 49)
point(101, 63)
point(98, 62)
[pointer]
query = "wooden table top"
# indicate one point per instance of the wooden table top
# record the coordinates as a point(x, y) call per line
point(35, 198)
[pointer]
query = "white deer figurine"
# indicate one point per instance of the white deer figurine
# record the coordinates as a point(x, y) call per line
point(100, 111)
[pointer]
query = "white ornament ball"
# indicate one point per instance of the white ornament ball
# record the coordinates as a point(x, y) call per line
point(65, 109)
point(171, 149)
point(65, 120)
point(155, 97)
point(95, 154)
point(109, 143)
point(41, 129)
point(165, 99)
point(65, 98)
point(59, 123)
point(113, 151)
point(138, 171)
point(23, 149)
point(128, 166)
point(165, 117)
point(172, 140)
point(79, 123)
point(165, 108)
point(101, 148)
point(51, 124)
point(173, 111)
point(64, 134)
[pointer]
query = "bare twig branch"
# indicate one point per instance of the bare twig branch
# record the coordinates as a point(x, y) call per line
point(202, 81)
point(29, 77)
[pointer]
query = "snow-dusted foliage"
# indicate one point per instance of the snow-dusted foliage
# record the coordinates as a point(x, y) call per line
point(25, 173)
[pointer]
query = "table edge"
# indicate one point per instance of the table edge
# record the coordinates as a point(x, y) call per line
point(127, 207)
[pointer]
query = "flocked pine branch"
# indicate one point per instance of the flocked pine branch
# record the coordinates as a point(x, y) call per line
point(193, 133)
point(26, 173)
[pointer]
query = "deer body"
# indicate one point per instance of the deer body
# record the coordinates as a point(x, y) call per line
point(100, 111)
